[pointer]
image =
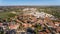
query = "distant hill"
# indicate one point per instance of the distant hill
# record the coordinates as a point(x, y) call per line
point(30, 6)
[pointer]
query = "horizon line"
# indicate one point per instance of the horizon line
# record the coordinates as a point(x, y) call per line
point(29, 5)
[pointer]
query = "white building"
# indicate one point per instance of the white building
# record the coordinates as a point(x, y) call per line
point(40, 14)
point(29, 9)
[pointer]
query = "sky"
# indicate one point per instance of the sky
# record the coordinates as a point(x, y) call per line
point(29, 2)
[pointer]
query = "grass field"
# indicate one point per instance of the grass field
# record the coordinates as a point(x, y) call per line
point(5, 14)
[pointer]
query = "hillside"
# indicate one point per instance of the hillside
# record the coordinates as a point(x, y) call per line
point(53, 10)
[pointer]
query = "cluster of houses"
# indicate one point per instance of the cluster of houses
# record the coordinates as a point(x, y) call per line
point(35, 12)
point(30, 23)
point(27, 24)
